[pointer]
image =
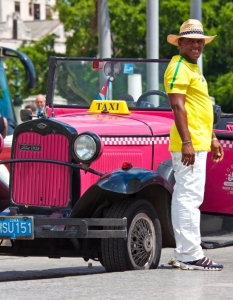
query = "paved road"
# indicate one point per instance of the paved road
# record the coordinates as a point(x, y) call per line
point(43, 278)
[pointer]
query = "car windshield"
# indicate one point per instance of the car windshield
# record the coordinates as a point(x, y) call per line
point(77, 82)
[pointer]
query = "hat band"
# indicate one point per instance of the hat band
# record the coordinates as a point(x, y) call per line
point(191, 32)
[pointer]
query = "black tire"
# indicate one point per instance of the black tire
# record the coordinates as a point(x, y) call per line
point(122, 254)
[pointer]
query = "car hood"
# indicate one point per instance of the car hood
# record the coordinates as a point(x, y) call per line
point(118, 125)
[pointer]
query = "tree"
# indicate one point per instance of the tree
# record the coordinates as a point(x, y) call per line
point(128, 34)
point(79, 18)
point(219, 56)
point(223, 92)
point(172, 13)
point(128, 26)
point(128, 19)
point(39, 53)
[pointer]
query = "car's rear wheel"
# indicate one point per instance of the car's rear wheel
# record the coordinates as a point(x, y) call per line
point(142, 248)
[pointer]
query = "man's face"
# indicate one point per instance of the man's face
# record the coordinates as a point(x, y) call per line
point(40, 103)
point(191, 48)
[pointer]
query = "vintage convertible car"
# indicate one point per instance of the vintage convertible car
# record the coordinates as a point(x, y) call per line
point(93, 178)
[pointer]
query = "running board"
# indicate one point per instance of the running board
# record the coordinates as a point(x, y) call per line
point(215, 245)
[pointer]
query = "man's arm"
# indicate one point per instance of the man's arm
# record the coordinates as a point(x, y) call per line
point(177, 102)
point(216, 149)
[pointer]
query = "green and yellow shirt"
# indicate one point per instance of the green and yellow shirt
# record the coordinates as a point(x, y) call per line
point(184, 77)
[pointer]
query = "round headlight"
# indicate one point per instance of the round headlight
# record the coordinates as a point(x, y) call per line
point(87, 147)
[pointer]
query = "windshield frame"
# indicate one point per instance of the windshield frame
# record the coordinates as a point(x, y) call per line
point(53, 63)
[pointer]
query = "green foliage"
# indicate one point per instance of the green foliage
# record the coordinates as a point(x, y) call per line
point(218, 56)
point(80, 18)
point(39, 53)
point(172, 13)
point(223, 91)
point(128, 28)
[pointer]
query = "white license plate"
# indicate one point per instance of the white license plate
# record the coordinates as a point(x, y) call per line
point(16, 227)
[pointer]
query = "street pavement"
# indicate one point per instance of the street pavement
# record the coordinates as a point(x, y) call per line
point(73, 278)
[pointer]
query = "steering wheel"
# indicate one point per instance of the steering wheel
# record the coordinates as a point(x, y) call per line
point(152, 92)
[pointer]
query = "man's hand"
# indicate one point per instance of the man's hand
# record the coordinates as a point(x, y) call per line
point(217, 151)
point(188, 154)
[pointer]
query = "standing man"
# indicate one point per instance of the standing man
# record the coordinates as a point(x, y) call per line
point(191, 137)
point(40, 104)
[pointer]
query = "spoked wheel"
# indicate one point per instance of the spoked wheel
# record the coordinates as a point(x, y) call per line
point(141, 241)
point(142, 248)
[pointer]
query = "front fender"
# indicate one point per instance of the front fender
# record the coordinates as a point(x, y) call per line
point(131, 181)
point(116, 186)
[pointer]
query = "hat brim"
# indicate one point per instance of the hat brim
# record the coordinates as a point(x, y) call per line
point(173, 39)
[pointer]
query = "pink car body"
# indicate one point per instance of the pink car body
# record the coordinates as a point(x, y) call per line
point(138, 150)
point(121, 144)
point(219, 186)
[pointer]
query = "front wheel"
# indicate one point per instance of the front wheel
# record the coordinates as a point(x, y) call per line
point(142, 248)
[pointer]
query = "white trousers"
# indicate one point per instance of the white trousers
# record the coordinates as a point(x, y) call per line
point(187, 197)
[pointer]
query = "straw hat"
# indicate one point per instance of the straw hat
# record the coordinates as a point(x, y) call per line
point(191, 29)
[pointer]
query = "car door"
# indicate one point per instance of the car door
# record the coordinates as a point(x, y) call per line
point(219, 178)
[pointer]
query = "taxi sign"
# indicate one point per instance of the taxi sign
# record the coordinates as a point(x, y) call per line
point(110, 106)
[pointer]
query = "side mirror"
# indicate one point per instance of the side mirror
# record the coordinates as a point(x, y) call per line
point(217, 113)
point(25, 115)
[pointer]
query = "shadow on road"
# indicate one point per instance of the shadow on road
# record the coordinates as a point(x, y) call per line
point(49, 273)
